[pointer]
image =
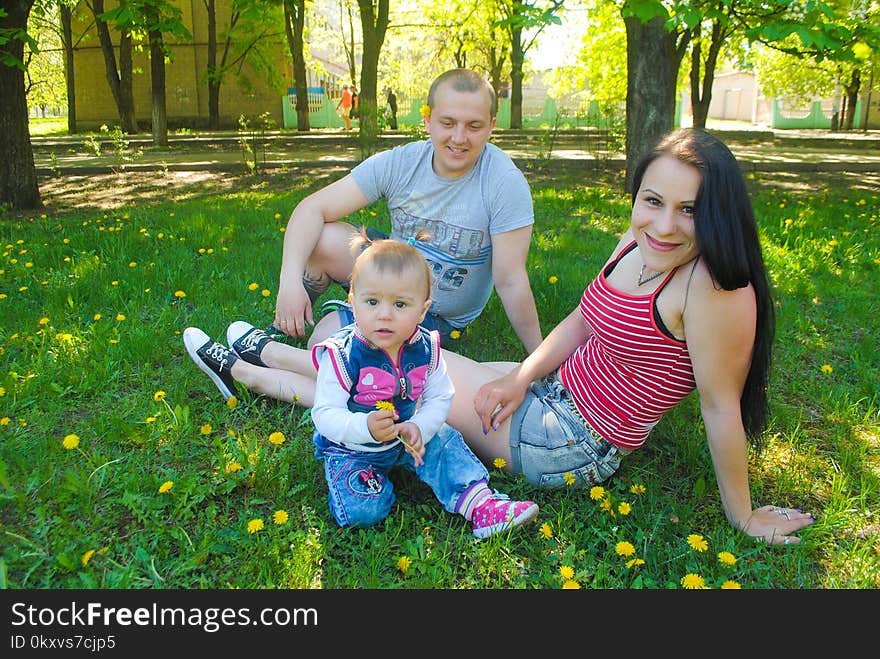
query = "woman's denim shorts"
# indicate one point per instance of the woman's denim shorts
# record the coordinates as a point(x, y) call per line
point(550, 439)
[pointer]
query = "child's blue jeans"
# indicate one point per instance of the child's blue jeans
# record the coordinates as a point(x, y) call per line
point(361, 493)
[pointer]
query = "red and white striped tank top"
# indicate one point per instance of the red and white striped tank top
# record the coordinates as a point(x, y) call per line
point(628, 373)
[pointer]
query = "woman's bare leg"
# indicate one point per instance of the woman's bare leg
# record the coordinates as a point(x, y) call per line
point(468, 376)
point(276, 383)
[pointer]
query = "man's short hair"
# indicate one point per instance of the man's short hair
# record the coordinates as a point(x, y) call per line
point(464, 80)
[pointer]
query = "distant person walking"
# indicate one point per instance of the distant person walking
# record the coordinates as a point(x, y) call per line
point(391, 109)
point(346, 102)
point(354, 103)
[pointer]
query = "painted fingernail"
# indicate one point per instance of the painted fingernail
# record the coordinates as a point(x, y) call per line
point(485, 432)
point(494, 426)
point(799, 510)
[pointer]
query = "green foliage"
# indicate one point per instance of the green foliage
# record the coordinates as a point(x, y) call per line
point(92, 306)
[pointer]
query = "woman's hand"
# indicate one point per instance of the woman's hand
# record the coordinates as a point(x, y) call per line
point(775, 525)
point(497, 400)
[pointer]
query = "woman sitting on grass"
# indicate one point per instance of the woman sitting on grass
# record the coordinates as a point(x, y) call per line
point(683, 303)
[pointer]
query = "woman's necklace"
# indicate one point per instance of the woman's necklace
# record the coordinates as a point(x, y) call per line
point(645, 280)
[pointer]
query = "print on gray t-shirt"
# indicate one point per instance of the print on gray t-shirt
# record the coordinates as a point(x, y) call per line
point(460, 214)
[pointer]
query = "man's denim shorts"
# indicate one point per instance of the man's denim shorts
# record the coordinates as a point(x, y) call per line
point(549, 439)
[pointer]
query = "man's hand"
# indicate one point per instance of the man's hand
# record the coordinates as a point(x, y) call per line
point(293, 310)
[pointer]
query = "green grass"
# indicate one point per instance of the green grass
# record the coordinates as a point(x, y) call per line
point(90, 331)
point(48, 126)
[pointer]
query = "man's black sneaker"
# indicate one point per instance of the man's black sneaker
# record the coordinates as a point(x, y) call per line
point(213, 358)
point(247, 341)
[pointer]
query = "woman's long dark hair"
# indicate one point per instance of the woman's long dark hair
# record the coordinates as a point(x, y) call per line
point(727, 237)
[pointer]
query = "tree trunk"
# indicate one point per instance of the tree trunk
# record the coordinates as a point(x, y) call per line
point(701, 92)
point(69, 73)
point(516, 76)
point(157, 87)
point(294, 25)
point(373, 28)
point(650, 87)
point(119, 80)
point(18, 175)
point(852, 96)
point(213, 78)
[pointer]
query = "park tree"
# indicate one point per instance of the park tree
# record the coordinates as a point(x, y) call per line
point(247, 32)
point(155, 18)
point(374, 23)
point(294, 29)
point(524, 22)
point(119, 70)
point(18, 175)
point(44, 66)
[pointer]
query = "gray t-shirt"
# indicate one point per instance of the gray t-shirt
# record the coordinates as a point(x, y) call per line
point(461, 214)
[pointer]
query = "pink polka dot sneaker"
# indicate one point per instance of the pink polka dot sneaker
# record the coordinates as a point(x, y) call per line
point(498, 513)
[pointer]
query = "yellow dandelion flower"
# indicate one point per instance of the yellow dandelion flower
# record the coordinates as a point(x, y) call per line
point(385, 406)
point(255, 525)
point(166, 487)
point(5, 421)
point(455, 335)
point(569, 478)
point(280, 517)
point(265, 292)
point(499, 463)
point(693, 581)
point(546, 530)
point(133, 264)
point(606, 505)
point(403, 563)
point(120, 317)
point(826, 368)
point(697, 542)
point(727, 558)
point(253, 286)
point(159, 396)
point(277, 438)
point(149, 419)
point(789, 222)
point(206, 429)
point(567, 572)
point(232, 402)
point(69, 442)
point(179, 294)
point(833, 243)
point(730, 584)
point(87, 557)
point(114, 283)
point(277, 216)
point(425, 110)
point(233, 466)
point(634, 562)
point(571, 585)
point(624, 508)
point(3, 296)
point(201, 250)
point(97, 316)
point(553, 279)
point(597, 493)
point(44, 321)
point(637, 488)
point(624, 548)
point(2, 391)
